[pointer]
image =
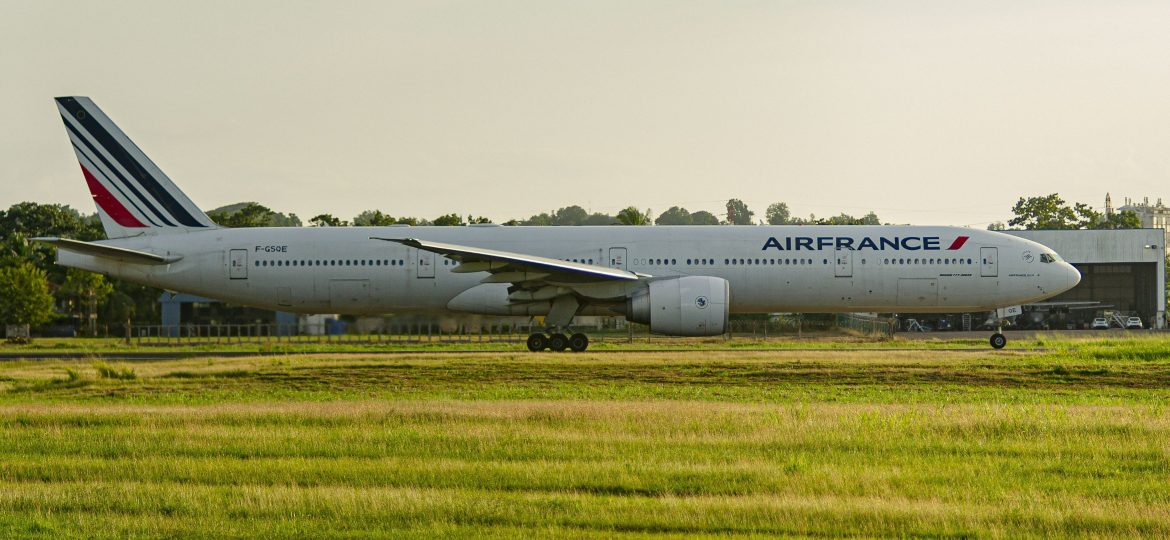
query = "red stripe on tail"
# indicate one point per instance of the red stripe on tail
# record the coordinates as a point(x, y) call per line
point(108, 203)
point(958, 243)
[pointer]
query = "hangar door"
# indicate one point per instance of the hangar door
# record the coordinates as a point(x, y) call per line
point(989, 262)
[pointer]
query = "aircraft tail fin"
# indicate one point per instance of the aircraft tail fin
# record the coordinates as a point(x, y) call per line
point(132, 194)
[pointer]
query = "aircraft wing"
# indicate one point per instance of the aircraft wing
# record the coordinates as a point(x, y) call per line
point(109, 252)
point(509, 267)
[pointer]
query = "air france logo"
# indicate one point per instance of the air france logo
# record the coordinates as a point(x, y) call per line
point(701, 302)
point(880, 243)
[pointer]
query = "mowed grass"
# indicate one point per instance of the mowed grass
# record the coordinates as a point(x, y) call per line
point(1070, 442)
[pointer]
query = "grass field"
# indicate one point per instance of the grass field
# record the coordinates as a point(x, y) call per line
point(1073, 441)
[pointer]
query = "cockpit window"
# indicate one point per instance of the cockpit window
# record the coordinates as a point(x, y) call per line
point(1046, 258)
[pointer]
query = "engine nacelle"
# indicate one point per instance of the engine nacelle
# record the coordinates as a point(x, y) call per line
point(684, 306)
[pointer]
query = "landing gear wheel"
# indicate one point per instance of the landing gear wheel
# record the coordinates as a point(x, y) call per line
point(537, 342)
point(998, 341)
point(578, 342)
point(558, 342)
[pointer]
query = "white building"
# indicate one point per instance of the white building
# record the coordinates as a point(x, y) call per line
point(1152, 216)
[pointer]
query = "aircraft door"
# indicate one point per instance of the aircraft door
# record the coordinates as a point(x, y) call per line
point(424, 264)
point(238, 264)
point(617, 258)
point(989, 262)
point(844, 258)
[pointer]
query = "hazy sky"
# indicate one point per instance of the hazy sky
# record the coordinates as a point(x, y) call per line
point(925, 112)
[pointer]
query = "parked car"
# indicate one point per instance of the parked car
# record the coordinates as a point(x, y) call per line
point(1100, 323)
point(1134, 322)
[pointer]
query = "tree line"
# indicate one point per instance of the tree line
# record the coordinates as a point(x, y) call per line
point(251, 214)
point(35, 291)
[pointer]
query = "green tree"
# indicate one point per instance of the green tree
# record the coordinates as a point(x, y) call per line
point(24, 295)
point(477, 219)
point(119, 308)
point(541, 219)
point(570, 215)
point(26, 220)
point(373, 218)
point(1051, 212)
point(846, 219)
point(1046, 212)
point(738, 213)
point(84, 292)
point(33, 219)
point(1127, 219)
point(448, 220)
point(674, 216)
point(250, 214)
point(632, 216)
point(597, 218)
point(703, 217)
point(327, 220)
point(777, 214)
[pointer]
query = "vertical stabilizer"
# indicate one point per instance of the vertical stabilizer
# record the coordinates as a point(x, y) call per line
point(132, 194)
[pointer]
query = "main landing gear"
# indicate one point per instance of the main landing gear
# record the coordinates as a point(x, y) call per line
point(557, 342)
point(558, 318)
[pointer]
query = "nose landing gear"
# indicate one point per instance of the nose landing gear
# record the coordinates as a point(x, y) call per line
point(998, 340)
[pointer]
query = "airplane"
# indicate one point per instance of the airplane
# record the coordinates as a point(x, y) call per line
point(678, 280)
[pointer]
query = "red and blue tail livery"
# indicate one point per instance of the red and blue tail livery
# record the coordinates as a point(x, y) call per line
point(133, 196)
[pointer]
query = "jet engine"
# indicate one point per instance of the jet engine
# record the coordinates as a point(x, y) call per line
point(683, 306)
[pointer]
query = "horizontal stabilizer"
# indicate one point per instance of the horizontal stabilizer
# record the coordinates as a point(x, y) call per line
point(109, 252)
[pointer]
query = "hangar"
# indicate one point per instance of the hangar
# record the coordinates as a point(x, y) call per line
point(1122, 270)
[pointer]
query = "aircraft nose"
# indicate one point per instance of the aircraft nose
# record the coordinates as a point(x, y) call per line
point(1074, 276)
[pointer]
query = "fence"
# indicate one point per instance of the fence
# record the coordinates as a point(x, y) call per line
point(788, 326)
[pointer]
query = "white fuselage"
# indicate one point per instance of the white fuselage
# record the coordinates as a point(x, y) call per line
point(769, 269)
